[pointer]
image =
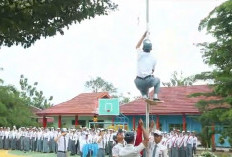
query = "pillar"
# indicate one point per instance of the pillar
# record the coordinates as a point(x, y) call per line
point(184, 122)
point(76, 121)
point(44, 122)
point(133, 122)
point(157, 122)
point(112, 121)
point(59, 121)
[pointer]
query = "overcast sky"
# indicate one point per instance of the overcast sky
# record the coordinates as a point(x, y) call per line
point(105, 47)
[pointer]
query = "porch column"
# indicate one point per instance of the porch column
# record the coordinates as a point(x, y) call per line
point(76, 121)
point(59, 121)
point(113, 121)
point(134, 122)
point(44, 122)
point(184, 122)
point(157, 122)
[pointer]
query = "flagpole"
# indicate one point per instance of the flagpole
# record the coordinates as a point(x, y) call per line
point(147, 17)
point(147, 36)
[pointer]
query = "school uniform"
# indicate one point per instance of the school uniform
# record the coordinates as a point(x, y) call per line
point(182, 147)
point(157, 150)
point(52, 142)
point(101, 146)
point(13, 139)
point(1, 139)
point(174, 148)
point(73, 140)
point(194, 144)
point(6, 140)
point(116, 149)
point(46, 139)
point(26, 142)
point(62, 144)
point(189, 146)
point(131, 151)
point(110, 143)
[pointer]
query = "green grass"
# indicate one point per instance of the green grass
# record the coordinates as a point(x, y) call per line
point(34, 154)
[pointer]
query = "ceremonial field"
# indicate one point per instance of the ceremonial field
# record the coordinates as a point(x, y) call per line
point(16, 153)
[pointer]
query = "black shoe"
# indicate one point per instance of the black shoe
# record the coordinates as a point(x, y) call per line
point(156, 99)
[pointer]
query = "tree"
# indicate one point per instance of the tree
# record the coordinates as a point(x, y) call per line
point(218, 54)
point(100, 85)
point(179, 80)
point(1, 80)
point(26, 21)
point(122, 98)
point(32, 96)
point(13, 110)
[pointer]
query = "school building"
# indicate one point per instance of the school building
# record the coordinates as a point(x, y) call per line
point(178, 110)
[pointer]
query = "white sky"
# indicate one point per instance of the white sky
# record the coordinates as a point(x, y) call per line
point(105, 47)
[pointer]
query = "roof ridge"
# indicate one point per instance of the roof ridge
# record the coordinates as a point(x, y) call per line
point(187, 86)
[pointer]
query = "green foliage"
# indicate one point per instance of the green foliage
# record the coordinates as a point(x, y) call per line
point(207, 154)
point(179, 80)
point(100, 85)
point(26, 21)
point(221, 140)
point(205, 137)
point(218, 55)
point(32, 96)
point(13, 110)
point(122, 99)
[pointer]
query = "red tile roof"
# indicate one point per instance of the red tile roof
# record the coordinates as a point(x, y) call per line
point(85, 104)
point(34, 110)
point(176, 101)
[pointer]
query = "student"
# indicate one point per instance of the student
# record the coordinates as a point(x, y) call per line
point(156, 149)
point(119, 139)
point(130, 150)
point(62, 142)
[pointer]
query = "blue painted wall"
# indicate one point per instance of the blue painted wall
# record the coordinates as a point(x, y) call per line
point(226, 144)
point(165, 120)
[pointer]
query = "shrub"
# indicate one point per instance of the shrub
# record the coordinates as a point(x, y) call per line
point(207, 154)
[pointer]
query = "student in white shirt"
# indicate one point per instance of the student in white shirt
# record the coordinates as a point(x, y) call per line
point(101, 141)
point(156, 149)
point(119, 139)
point(130, 150)
point(62, 142)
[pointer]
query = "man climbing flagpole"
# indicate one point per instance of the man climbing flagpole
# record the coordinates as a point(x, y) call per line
point(145, 68)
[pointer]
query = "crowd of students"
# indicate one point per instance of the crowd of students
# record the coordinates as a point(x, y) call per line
point(100, 142)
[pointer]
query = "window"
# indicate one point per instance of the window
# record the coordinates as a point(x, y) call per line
point(97, 125)
point(73, 122)
point(80, 122)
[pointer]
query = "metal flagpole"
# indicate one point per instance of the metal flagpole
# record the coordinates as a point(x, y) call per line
point(148, 105)
point(147, 115)
point(147, 17)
